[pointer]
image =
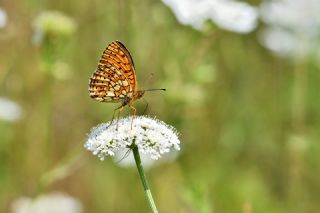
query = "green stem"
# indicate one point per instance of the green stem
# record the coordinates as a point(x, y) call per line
point(143, 179)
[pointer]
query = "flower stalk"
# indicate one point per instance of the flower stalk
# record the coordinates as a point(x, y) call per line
point(143, 178)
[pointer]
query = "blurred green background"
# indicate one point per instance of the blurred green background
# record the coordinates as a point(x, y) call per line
point(249, 120)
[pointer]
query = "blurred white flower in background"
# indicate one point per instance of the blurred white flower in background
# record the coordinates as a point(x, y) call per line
point(293, 26)
point(3, 18)
point(230, 15)
point(61, 70)
point(279, 41)
point(124, 158)
point(152, 137)
point(56, 202)
point(52, 24)
point(9, 110)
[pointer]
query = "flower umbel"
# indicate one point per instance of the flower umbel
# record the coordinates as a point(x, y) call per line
point(52, 24)
point(232, 15)
point(293, 27)
point(55, 202)
point(125, 159)
point(151, 136)
point(9, 110)
point(3, 18)
point(146, 135)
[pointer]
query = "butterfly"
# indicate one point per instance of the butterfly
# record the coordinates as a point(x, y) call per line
point(115, 79)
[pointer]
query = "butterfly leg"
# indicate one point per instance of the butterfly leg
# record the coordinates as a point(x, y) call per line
point(134, 110)
point(114, 112)
point(119, 111)
point(125, 155)
point(147, 105)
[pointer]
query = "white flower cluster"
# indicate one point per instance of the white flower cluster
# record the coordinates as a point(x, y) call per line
point(293, 27)
point(3, 18)
point(124, 158)
point(9, 110)
point(55, 202)
point(232, 15)
point(153, 137)
point(54, 24)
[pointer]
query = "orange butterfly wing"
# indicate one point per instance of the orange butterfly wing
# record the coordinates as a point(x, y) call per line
point(115, 78)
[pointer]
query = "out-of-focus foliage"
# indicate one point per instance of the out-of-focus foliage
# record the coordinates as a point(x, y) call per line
point(249, 120)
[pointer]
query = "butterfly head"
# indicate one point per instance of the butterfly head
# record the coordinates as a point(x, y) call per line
point(139, 94)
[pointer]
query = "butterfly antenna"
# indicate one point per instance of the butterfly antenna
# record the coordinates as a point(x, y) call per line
point(155, 89)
